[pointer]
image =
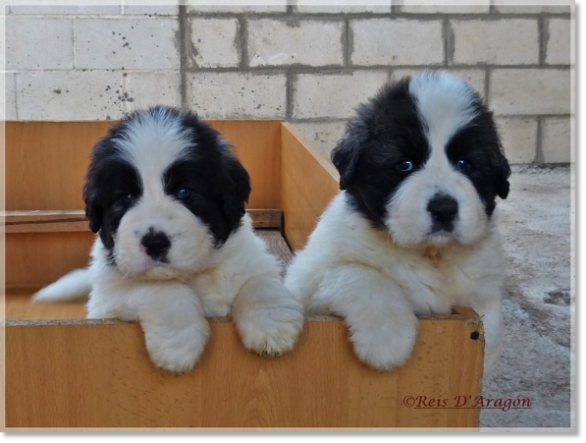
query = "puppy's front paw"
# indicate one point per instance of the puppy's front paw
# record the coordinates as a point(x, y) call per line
point(270, 332)
point(176, 350)
point(386, 347)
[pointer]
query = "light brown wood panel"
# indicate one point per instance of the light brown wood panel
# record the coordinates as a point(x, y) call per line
point(46, 161)
point(36, 259)
point(308, 183)
point(19, 307)
point(18, 222)
point(98, 374)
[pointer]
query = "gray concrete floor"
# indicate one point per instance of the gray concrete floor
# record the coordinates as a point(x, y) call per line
point(537, 359)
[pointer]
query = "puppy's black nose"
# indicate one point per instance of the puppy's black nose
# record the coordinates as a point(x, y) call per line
point(443, 208)
point(157, 244)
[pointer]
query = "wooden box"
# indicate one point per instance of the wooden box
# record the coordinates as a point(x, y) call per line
point(63, 371)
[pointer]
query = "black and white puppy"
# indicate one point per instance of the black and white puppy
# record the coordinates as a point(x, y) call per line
point(166, 196)
point(412, 232)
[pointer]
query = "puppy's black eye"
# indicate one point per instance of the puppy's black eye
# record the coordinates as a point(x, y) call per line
point(463, 165)
point(405, 166)
point(127, 198)
point(183, 193)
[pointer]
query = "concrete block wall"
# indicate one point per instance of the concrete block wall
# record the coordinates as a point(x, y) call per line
point(308, 62)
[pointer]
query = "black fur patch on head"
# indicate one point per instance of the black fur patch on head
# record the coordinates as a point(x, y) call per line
point(219, 183)
point(479, 144)
point(385, 132)
point(388, 131)
point(110, 183)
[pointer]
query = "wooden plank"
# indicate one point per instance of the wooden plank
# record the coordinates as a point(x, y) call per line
point(46, 161)
point(308, 183)
point(266, 218)
point(98, 374)
point(19, 307)
point(16, 222)
point(35, 259)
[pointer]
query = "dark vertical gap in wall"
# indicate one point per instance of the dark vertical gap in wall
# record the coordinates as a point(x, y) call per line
point(487, 73)
point(243, 41)
point(449, 42)
point(290, 77)
point(539, 157)
point(543, 37)
point(347, 43)
point(183, 56)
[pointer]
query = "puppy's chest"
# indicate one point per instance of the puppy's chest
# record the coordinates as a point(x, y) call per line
point(434, 280)
point(217, 289)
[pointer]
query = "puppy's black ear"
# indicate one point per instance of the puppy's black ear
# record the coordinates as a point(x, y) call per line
point(237, 188)
point(93, 213)
point(345, 156)
point(503, 171)
point(500, 166)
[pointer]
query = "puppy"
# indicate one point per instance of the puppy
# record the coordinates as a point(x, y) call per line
point(166, 196)
point(412, 232)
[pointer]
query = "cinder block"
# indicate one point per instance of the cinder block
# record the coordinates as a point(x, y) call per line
point(127, 43)
point(38, 43)
point(397, 42)
point(519, 138)
point(474, 77)
point(69, 95)
point(501, 42)
point(443, 6)
point(558, 50)
point(232, 95)
point(304, 42)
point(145, 89)
point(215, 42)
point(72, 7)
point(556, 140)
point(530, 91)
point(334, 95)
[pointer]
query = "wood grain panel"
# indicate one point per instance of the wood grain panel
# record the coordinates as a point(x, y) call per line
point(97, 374)
point(19, 307)
point(18, 222)
point(34, 260)
point(46, 161)
point(308, 183)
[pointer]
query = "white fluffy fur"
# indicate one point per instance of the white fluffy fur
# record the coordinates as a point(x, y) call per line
point(171, 300)
point(359, 273)
point(379, 281)
point(444, 103)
